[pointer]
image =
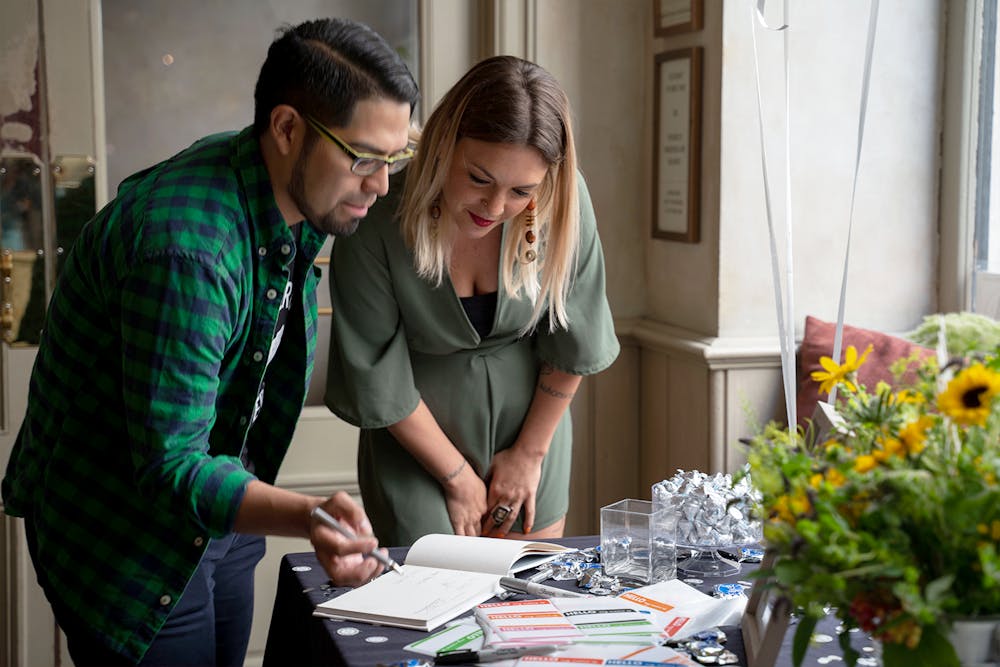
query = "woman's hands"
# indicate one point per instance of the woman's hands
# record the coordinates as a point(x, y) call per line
point(465, 495)
point(514, 476)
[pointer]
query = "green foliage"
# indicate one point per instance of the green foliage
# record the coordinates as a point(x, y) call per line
point(800, 643)
point(966, 333)
point(892, 518)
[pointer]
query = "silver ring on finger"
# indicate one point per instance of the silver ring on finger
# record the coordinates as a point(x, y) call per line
point(500, 513)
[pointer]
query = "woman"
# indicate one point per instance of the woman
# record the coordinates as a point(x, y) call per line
point(465, 314)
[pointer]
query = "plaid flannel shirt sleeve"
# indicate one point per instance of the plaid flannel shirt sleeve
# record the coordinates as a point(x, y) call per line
point(178, 317)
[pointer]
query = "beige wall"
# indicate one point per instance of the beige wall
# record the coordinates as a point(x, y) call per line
point(597, 50)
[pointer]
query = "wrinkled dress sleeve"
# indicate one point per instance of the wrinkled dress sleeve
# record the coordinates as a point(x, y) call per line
point(370, 380)
point(589, 345)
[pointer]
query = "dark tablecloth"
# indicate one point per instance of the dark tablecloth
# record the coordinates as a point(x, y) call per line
point(297, 638)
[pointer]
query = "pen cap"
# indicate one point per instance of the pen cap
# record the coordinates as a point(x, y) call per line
point(455, 658)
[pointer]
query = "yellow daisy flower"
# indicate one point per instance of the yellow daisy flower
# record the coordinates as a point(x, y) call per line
point(913, 436)
point(969, 394)
point(993, 530)
point(789, 508)
point(835, 372)
point(864, 463)
point(833, 449)
point(835, 478)
point(889, 447)
point(907, 396)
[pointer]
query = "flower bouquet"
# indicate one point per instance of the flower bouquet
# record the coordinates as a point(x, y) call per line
point(892, 518)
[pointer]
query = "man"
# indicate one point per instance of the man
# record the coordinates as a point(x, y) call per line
point(176, 355)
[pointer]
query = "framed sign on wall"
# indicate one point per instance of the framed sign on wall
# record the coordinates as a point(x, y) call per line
point(672, 17)
point(677, 145)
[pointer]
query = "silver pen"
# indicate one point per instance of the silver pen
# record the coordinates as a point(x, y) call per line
point(325, 518)
point(541, 590)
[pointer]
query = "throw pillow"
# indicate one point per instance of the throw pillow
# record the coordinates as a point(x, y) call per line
point(817, 342)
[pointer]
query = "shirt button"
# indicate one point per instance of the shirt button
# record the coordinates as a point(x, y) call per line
point(198, 541)
point(258, 356)
point(243, 421)
point(272, 294)
point(164, 600)
point(285, 249)
point(261, 251)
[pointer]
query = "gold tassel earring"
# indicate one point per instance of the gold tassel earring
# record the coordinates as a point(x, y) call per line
point(529, 235)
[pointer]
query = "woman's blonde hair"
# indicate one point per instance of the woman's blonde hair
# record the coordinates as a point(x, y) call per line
point(513, 101)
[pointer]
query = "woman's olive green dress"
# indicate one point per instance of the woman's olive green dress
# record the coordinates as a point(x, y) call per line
point(396, 339)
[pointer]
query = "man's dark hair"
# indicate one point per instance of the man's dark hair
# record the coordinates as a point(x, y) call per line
point(325, 67)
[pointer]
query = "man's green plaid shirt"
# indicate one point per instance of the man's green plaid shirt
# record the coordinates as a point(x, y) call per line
point(155, 345)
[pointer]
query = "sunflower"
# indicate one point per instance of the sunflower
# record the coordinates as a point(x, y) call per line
point(969, 394)
point(835, 372)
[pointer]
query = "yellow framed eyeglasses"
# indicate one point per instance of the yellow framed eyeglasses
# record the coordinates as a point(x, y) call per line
point(365, 164)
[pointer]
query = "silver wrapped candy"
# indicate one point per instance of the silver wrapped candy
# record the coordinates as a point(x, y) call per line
point(712, 510)
point(727, 658)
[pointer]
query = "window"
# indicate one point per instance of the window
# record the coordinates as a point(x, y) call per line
point(986, 239)
point(177, 70)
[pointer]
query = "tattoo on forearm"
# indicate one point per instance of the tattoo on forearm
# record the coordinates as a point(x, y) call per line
point(548, 369)
point(552, 391)
point(454, 473)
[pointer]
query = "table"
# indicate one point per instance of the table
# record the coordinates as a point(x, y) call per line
point(298, 638)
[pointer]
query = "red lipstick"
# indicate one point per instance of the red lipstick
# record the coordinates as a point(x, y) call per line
point(482, 222)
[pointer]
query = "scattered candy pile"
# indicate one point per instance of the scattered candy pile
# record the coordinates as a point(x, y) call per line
point(707, 648)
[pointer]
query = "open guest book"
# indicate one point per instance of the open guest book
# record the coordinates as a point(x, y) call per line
point(443, 577)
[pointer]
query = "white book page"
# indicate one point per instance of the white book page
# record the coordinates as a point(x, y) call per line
point(480, 554)
point(420, 594)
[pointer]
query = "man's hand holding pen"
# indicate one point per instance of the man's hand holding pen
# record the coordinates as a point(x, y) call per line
point(342, 552)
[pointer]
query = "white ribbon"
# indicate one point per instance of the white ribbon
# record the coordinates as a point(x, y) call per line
point(862, 114)
point(785, 306)
point(763, 22)
point(786, 328)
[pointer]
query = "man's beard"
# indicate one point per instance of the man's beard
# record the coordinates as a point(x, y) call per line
point(326, 223)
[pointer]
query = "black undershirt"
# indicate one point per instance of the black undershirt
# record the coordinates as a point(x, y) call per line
point(290, 300)
point(481, 309)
